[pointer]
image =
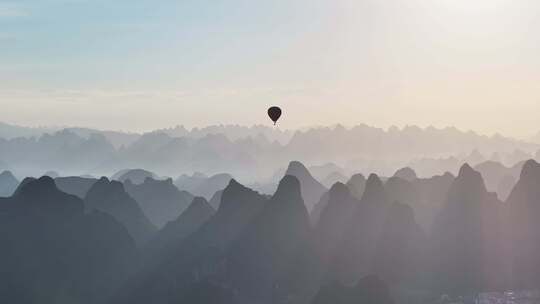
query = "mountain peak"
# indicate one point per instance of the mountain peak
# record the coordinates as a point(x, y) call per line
point(374, 180)
point(199, 210)
point(466, 170)
point(46, 180)
point(188, 222)
point(339, 191)
point(111, 197)
point(297, 169)
point(336, 213)
point(289, 186)
point(374, 191)
point(237, 196)
point(356, 179)
point(448, 175)
point(234, 186)
point(200, 203)
point(406, 173)
point(357, 185)
point(43, 196)
point(103, 179)
point(470, 178)
point(112, 185)
point(8, 183)
point(531, 169)
point(311, 189)
point(36, 187)
point(23, 183)
point(7, 174)
point(373, 184)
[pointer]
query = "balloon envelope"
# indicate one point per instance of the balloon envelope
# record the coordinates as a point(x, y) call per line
point(274, 113)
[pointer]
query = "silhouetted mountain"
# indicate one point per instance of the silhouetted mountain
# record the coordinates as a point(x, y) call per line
point(200, 256)
point(256, 248)
point(406, 173)
point(136, 176)
point(357, 185)
point(238, 207)
point(466, 238)
point(498, 177)
point(75, 185)
point(332, 225)
point(312, 190)
point(160, 200)
point(267, 264)
point(432, 192)
point(409, 193)
point(403, 191)
point(191, 219)
point(42, 196)
point(362, 234)
point(369, 290)
point(201, 185)
point(52, 252)
point(401, 253)
point(110, 197)
point(215, 201)
point(23, 183)
point(335, 215)
point(524, 227)
point(8, 183)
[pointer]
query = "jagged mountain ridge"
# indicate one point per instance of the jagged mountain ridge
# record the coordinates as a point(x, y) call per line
point(291, 258)
point(362, 147)
point(110, 197)
point(48, 240)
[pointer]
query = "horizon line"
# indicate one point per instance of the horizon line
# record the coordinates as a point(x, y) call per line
point(347, 127)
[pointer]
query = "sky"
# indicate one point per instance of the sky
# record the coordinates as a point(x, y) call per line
point(140, 65)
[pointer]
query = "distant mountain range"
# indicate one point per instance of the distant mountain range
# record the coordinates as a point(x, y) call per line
point(253, 153)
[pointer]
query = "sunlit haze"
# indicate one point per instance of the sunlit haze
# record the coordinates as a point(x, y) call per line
point(269, 151)
point(140, 65)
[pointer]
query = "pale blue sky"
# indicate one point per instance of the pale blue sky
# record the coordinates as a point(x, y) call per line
point(139, 65)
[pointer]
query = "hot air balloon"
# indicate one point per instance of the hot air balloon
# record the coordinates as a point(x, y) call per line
point(274, 113)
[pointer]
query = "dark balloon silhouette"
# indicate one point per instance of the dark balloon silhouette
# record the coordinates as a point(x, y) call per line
point(274, 113)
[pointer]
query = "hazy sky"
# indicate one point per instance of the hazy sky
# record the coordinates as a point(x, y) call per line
point(138, 65)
